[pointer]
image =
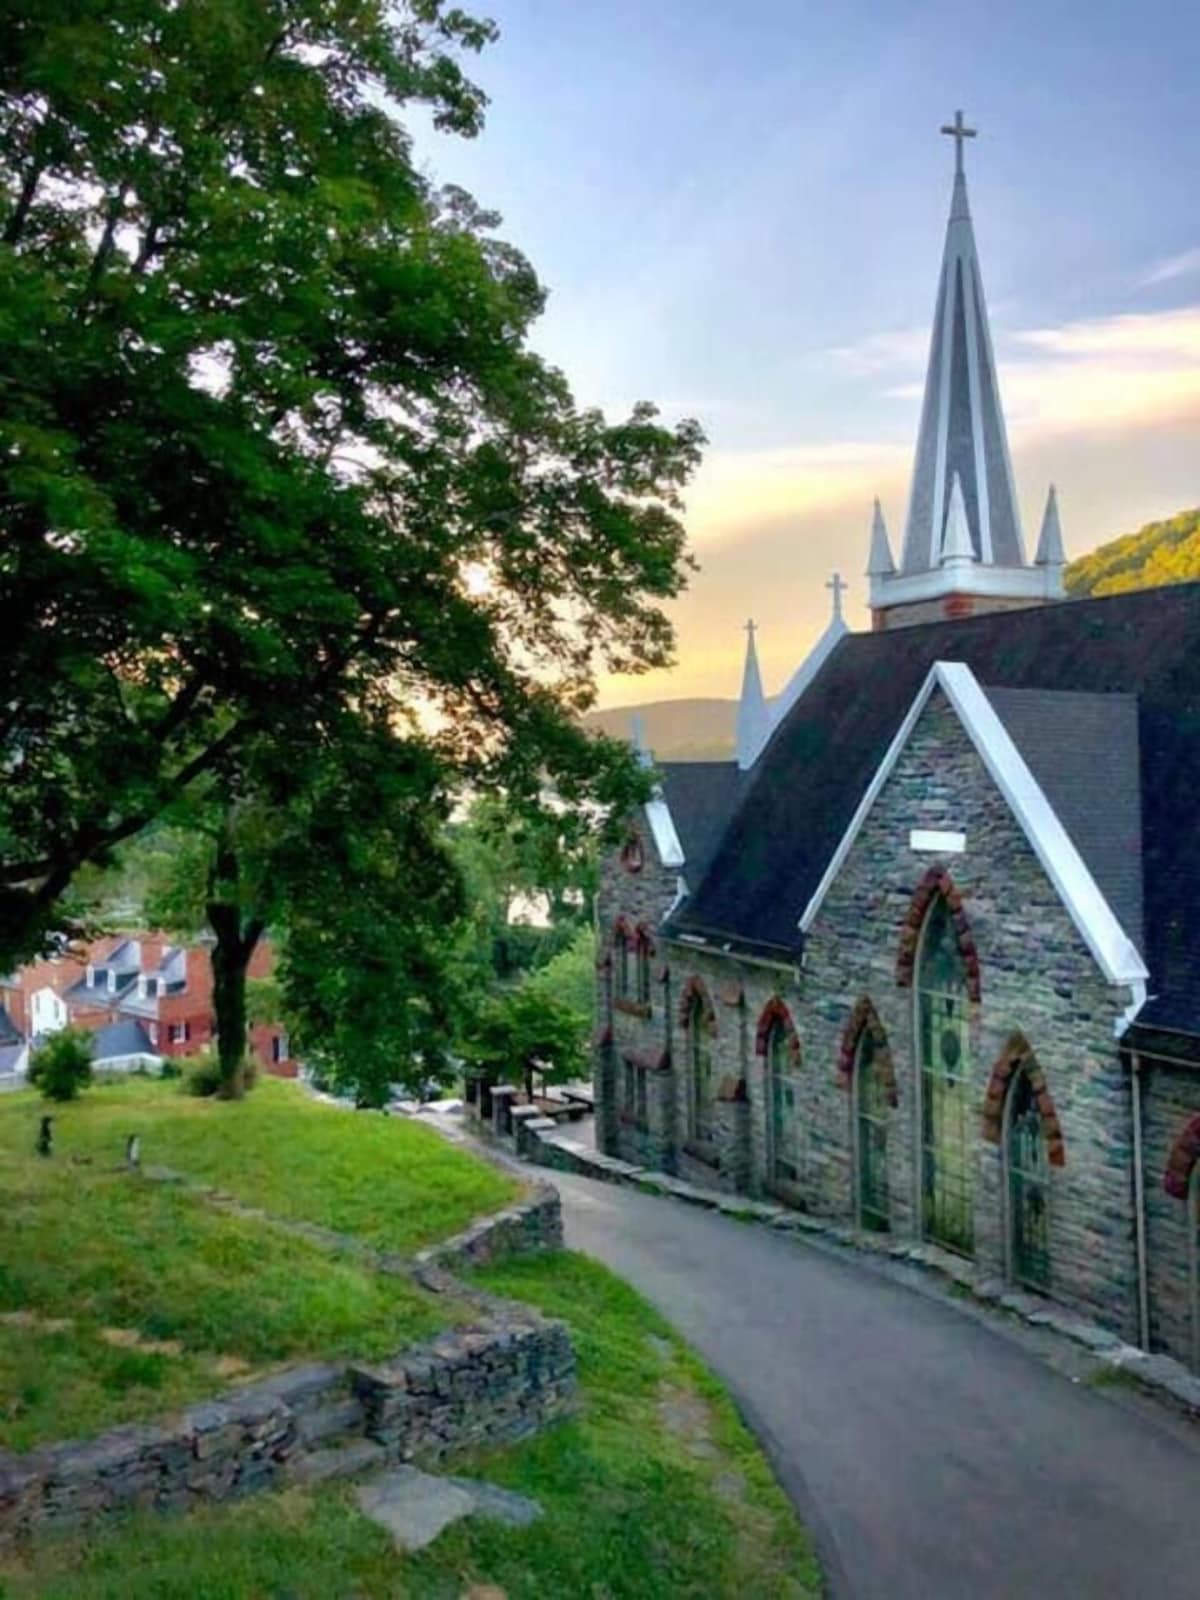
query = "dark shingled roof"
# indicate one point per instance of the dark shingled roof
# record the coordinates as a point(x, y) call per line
point(123, 1038)
point(1083, 751)
point(701, 797)
point(806, 785)
point(9, 1032)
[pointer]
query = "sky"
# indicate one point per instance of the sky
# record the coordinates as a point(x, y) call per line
point(738, 210)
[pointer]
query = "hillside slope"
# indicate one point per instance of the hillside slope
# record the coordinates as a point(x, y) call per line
point(1159, 553)
point(676, 730)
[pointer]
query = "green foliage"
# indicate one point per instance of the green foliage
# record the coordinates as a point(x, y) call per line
point(1160, 553)
point(268, 400)
point(202, 1075)
point(62, 1066)
point(525, 1030)
point(570, 976)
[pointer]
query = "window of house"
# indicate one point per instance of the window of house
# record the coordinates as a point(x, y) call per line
point(90, 976)
point(623, 957)
point(871, 1108)
point(1028, 1180)
point(629, 1096)
point(180, 1032)
point(943, 1054)
point(783, 1108)
point(643, 970)
point(152, 1032)
point(112, 980)
point(699, 1074)
point(279, 1047)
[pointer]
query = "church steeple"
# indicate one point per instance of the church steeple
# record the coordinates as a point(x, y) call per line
point(963, 501)
point(754, 716)
point(962, 424)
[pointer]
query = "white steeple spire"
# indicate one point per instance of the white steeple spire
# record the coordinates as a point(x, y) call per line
point(754, 717)
point(962, 425)
point(637, 738)
point(880, 564)
point(956, 541)
point(1050, 552)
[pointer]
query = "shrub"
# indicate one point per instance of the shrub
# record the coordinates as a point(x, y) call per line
point(202, 1074)
point(170, 1068)
point(62, 1065)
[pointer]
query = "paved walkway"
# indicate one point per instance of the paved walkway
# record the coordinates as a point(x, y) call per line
point(931, 1455)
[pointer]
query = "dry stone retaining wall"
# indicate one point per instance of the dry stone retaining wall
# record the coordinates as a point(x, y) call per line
point(501, 1379)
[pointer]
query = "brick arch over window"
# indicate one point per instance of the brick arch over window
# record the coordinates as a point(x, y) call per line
point(1185, 1153)
point(695, 990)
point(1016, 1056)
point(776, 1015)
point(865, 1019)
point(624, 929)
point(936, 881)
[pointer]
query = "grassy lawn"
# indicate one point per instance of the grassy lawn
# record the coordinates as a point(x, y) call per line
point(657, 1490)
point(387, 1179)
point(122, 1298)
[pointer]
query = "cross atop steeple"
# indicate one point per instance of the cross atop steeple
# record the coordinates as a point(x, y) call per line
point(959, 131)
point(836, 587)
point(752, 629)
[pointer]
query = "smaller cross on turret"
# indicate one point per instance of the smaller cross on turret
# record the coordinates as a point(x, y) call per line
point(836, 588)
point(959, 131)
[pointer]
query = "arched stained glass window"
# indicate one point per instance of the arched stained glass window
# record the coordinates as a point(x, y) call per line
point(871, 1108)
point(643, 969)
point(943, 1052)
point(623, 958)
point(699, 1073)
point(1028, 1176)
point(783, 1108)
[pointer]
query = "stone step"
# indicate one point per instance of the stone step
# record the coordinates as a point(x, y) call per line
point(343, 1461)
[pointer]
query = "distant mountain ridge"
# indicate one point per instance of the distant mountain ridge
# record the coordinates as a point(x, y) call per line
point(703, 730)
point(1160, 553)
point(676, 730)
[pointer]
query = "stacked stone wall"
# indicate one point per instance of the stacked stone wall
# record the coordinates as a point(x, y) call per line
point(510, 1373)
point(1170, 1099)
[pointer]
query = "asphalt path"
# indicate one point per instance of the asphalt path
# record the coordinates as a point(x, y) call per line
point(931, 1454)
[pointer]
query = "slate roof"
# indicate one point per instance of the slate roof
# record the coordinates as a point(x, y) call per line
point(1083, 751)
point(10, 1034)
point(10, 1054)
point(801, 795)
point(701, 797)
point(123, 1038)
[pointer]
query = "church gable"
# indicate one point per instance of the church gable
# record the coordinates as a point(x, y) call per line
point(939, 813)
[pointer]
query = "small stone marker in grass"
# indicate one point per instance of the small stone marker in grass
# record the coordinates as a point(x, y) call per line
point(416, 1506)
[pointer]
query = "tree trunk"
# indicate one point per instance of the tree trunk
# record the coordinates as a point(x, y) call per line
point(231, 953)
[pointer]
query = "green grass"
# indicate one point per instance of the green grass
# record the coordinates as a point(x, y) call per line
point(632, 1512)
point(389, 1180)
point(97, 1249)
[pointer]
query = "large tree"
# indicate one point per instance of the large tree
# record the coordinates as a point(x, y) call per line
point(272, 442)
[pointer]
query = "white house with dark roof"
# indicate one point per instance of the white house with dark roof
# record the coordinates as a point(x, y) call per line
point(924, 957)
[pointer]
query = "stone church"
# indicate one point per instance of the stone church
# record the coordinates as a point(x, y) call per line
point(926, 956)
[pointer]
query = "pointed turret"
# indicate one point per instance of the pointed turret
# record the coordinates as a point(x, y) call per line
point(880, 564)
point(1050, 552)
point(956, 541)
point(754, 717)
point(962, 425)
point(637, 738)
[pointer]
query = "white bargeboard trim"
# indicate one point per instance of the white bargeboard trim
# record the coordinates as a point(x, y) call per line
point(1114, 952)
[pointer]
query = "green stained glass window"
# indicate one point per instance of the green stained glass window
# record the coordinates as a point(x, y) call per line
point(871, 1117)
point(1028, 1186)
point(643, 971)
point(623, 963)
point(783, 1092)
point(700, 1075)
point(943, 1048)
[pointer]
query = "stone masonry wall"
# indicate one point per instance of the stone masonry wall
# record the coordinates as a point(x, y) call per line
point(1170, 1099)
point(501, 1379)
point(1036, 976)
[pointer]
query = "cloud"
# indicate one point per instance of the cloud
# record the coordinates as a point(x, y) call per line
point(1172, 267)
point(884, 352)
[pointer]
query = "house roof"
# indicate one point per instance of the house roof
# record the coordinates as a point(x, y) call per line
point(123, 1038)
point(701, 797)
point(802, 794)
point(10, 1054)
point(9, 1032)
